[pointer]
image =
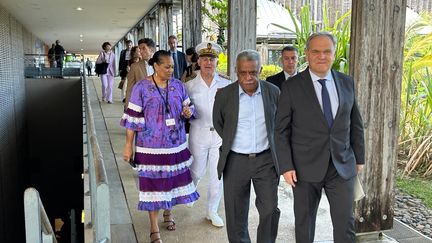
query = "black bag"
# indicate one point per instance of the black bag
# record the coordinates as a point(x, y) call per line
point(101, 68)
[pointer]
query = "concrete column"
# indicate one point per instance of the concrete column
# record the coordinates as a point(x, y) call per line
point(164, 25)
point(191, 12)
point(150, 27)
point(377, 40)
point(242, 16)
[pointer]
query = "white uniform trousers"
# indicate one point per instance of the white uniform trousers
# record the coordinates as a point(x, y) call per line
point(204, 145)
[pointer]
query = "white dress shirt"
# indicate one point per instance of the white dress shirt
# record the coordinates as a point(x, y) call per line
point(203, 97)
point(331, 88)
point(287, 75)
point(251, 133)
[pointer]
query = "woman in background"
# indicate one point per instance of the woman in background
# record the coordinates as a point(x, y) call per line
point(192, 58)
point(107, 56)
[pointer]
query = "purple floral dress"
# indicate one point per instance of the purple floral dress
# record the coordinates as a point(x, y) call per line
point(161, 152)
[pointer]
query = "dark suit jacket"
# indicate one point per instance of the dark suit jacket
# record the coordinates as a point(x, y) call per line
point(277, 79)
point(304, 142)
point(122, 62)
point(181, 58)
point(225, 118)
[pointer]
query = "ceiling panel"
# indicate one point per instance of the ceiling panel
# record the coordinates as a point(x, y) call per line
point(99, 21)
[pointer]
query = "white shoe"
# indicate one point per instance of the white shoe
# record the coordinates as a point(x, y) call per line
point(215, 219)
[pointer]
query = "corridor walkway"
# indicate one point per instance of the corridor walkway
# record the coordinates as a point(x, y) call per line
point(130, 225)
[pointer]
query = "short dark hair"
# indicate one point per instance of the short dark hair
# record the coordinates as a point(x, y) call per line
point(149, 42)
point(289, 48)
point(128, 42)
point(157, 57)
point(190, 51)
point(172, 37)
point(105, 44)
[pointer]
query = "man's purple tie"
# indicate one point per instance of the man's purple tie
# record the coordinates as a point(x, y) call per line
point(326, 102)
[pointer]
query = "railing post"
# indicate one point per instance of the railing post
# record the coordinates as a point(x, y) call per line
point(32, 216)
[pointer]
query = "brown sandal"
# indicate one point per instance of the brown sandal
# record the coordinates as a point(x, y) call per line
point(157, 239)
point(171, 223)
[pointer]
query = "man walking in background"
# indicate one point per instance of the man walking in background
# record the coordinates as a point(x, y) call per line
point(289, 61)
point(179, 57)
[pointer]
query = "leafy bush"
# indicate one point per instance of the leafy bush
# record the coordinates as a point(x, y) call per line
point(267, 70)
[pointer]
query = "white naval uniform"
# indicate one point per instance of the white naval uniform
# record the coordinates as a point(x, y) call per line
point(204, 142)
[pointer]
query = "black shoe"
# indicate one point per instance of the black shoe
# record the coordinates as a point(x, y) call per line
point(124, 100)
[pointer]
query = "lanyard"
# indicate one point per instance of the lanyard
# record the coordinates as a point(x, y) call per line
point(165, 100)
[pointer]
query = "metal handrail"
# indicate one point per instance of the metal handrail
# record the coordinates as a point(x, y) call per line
point(98, 180)
point(37, 225)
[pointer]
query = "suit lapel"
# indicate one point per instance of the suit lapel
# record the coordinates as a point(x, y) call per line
point(310, 91)
point(235, 101)
point(265, 97)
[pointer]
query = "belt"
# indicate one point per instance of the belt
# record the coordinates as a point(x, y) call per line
point(253, 155)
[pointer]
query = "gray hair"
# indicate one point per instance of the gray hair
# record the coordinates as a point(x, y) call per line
point(249, 55)
point(318, 34)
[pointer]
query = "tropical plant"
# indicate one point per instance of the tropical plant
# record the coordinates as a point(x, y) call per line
point(415, 140)
point(218, 14)
point(341, 30)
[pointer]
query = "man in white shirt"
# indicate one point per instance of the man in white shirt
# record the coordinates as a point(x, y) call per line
point(204, 142)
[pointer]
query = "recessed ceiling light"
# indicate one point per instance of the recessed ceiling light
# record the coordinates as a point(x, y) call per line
point(81, 36)
point(82, 49)
point(81, 40)
point(79, 8)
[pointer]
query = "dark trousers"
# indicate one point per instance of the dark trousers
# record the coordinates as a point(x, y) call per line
point(240, 170)
point(339, 192)
point(89, 71)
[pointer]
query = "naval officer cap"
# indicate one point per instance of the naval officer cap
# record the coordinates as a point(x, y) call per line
point(208, 49)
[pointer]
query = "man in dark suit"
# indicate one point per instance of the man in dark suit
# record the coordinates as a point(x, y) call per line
point(243, 115)
point(289, 61)
point(179, 57)
point(320, 141)
point(125, 56)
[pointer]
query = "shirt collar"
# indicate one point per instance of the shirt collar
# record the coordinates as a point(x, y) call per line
point(287, 75)
point(214, 81)
point(315, 77)
point(258, 91)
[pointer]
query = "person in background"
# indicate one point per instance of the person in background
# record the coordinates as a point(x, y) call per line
point(125, 56)
point(204, 142)
point(89, 66)
point(179, 57)
point(289, 61)
point(154, 118)
point(135, 57)
point(192, 59)
point(138, 71)
point(107, 56)
point(59, 54)
point(51, 56)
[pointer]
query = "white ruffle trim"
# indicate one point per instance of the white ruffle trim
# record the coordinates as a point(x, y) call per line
point(165, 168)
point(162, 150)
point(134, 107)
point(132, 119)
point(167, 196)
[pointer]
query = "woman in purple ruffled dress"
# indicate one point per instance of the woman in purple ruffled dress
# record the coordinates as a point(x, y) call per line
point(155, 118)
